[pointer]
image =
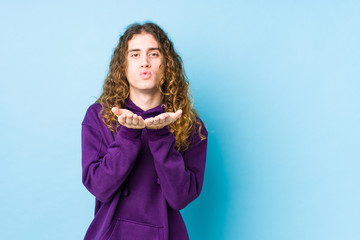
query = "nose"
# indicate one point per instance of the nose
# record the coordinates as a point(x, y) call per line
point(145, 63)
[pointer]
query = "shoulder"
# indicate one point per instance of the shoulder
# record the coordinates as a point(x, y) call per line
point(93, 114)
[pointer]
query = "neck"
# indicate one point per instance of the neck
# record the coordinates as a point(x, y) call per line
point(145, 101)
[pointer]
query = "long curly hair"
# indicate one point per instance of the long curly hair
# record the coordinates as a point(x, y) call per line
point(173, 85)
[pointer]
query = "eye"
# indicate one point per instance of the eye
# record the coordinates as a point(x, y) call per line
point(134, 55)
point(154, 54)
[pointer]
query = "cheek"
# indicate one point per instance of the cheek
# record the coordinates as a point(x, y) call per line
point(130, 70)
point(159, 66)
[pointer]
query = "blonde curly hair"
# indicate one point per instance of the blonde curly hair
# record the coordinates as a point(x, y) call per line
point(173, 86)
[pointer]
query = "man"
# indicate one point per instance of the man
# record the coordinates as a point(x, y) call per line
point(143, 145)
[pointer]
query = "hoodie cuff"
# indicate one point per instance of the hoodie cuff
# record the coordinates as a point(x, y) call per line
point(155, 134)
point(129, 133)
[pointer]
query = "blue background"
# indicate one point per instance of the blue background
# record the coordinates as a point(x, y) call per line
point(277, 82)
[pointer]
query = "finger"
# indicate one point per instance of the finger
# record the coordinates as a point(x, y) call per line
point(129, 119)
point(122, 119)
point(135, 119)
point(162, 119)
point(156, 120)
point(141, 122)
point(168, 119)
point(149, 121)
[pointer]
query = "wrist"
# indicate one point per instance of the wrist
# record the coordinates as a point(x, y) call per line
point(155, 134)
point(129, 132)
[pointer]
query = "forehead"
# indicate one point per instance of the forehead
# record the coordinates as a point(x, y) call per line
point(142, 41)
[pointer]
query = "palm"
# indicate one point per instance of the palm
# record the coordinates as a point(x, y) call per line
point(131, 120)
point(162, 120)
point(128, 118)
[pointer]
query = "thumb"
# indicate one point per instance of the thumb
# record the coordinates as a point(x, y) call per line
point(177, 114)
point(116, 111)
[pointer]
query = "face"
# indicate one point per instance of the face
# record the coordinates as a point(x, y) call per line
point(143, 64)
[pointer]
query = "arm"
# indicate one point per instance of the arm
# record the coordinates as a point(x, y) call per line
point(104, 168)
point(181, 175)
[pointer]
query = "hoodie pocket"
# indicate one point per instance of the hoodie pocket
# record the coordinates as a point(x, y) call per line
point(131, 230)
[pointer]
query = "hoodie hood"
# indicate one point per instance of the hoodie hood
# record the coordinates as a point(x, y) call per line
point(144, 114)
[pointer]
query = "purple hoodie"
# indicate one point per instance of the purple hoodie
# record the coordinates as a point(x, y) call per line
point(140, 181)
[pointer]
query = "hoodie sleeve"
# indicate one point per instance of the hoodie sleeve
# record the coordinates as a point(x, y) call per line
point(180, 175)
point(105, 167)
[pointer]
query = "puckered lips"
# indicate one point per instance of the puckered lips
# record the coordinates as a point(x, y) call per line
point(145, 75)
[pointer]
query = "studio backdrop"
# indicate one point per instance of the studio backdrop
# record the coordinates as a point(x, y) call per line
point(276, 82)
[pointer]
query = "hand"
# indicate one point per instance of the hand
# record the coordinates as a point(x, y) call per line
point(162, 120)
point(128, 118)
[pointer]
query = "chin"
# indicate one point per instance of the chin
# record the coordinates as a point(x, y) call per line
point(147, 88)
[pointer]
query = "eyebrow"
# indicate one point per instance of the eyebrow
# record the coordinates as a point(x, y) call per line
point(137, 49)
